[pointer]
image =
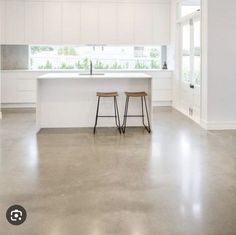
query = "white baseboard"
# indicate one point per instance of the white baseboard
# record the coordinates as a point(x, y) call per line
point(218, 126)
point(161, 103)
point(18, 105)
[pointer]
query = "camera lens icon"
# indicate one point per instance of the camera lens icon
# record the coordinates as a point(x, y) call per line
point(16, 215)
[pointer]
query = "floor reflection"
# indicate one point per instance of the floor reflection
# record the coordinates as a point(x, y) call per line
point(178, 180)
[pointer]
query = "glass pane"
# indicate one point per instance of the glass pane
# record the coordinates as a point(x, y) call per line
point(197, 37)
point(197, 70)
point(197, 53)
point(186, 53)
point(186, 10)
point(103, 57)
point(186, 68)
point(186, 38)
point(189, 6)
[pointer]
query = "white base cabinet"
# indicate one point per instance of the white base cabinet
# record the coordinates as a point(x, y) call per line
point(19, 88)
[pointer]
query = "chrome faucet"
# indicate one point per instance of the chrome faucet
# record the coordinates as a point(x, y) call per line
point(91, 68)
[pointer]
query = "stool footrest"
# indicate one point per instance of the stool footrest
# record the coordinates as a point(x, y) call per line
point(107, 116)
point(133, 115)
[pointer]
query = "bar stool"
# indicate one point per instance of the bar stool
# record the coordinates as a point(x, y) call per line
point(141, 95)
point(116, 116)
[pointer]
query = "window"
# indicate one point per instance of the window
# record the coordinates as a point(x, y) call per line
point(103, 57)
point(186, 65)
point(191, 52)
point(186, 10)
point(187, 7)
point(197, 52)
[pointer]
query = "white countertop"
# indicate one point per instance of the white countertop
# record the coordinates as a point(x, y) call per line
point(83, 76)
point(84, 71)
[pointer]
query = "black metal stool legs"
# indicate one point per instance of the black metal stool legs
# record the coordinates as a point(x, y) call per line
point(96, 119)
point(125, 114)
point(117, 117)
point(141, 95)
point(143, 103)
point(148, 128)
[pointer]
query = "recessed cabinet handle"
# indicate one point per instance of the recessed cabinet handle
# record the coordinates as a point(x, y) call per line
point(191, 86)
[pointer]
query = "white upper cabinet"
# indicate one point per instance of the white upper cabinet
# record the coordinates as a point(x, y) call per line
point(34, 22)
point(143, 22)
point(125, 23)
point(15, 22)
point(161, 24)
point(107, 16)
point(89, 23)
point(71, 14)
point(81, 22)
point(52, 32)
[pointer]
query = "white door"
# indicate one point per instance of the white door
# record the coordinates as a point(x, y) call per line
point(191, 68)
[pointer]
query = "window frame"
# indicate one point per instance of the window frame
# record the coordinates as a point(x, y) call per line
point(133, 60)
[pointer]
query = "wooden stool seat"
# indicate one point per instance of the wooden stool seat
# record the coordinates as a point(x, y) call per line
point(136, 94)
point(107, 94)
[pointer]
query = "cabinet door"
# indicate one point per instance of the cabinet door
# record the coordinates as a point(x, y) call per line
point(107, 23)
point(125, 24)
point(8, 88)
point(34, 22)
point(89, 23)
point(52, 22)
point(161, 25)
point(15, 22)
point(71, 23)
point(143, 23)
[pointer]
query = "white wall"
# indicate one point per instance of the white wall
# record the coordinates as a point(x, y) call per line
point(219, 64)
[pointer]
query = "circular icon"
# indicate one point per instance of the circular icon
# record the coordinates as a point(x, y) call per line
point(16, 215)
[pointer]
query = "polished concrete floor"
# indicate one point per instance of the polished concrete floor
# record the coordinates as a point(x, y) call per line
point(181, 180)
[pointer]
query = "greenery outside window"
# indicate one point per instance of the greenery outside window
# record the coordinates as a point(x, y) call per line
point(103, 57)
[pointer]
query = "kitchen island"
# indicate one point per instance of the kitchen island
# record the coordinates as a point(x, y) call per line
point(68, 100)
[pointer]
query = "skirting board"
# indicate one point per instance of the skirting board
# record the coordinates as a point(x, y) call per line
point(161, 103)
point(218, 126)
point(18, 105)
point(213, 126)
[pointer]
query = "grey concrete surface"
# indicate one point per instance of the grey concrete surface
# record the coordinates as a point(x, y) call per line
point(180, 180)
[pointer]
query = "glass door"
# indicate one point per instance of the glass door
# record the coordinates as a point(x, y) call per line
point(191, 67)
point(186, 51)
point(197, 53)
point(196, 74)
